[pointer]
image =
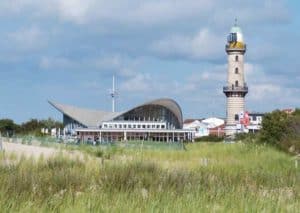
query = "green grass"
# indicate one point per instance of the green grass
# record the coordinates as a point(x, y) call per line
point(206, 177)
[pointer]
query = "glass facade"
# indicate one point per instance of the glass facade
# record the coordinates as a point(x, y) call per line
point(70, 124)
point(152, 113)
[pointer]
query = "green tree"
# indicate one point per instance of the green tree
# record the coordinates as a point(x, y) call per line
point(31, 126)
point(282, 130)
point(297, 112)
point(274, 126)
point(34, 126)
point(8, 127)
point(51, 123)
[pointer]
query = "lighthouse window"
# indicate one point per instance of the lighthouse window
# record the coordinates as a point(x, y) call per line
point(236, 117)
point(236, 83)
point(236, 70)
point(236, 58)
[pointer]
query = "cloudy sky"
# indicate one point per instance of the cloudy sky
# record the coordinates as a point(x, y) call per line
point(67, 51)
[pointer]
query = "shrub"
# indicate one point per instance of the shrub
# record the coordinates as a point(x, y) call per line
point(273, 126)
point(281, 130)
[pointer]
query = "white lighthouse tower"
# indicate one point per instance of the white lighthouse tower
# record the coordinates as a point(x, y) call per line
point(236, 88)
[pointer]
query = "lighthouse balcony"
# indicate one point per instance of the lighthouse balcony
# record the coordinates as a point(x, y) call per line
point(235, 48)
point(229, 89)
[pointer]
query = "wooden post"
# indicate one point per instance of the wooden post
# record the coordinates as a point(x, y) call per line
point(1, 142)
point(125, 136)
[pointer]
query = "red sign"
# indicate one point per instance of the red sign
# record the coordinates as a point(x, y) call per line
point(245, 119)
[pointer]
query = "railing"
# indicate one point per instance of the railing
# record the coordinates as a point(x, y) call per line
point(235, 89)
point(236, 48)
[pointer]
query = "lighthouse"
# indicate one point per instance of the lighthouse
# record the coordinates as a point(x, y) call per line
point(236, 88)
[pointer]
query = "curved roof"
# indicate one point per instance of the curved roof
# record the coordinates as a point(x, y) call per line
point(86, 117)
point(91, 118)
point(170, 104)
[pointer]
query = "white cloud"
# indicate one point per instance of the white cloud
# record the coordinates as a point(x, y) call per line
point(158, 12)
point(131, 26)
point(204, 45)
point(74, 10)
point(108, 62)
point(137, 83)
point(151, 12)
point(31, 38)
point(115, 64)
point(57, 63)
point(262, 91)
point(125, 11)
point(216, 73)
point(269, 91)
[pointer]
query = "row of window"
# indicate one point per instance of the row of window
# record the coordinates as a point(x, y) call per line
point(134, 126)
point(236, 69)
point(236, 84)
point(252, 118)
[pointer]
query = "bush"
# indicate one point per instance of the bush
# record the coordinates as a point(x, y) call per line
point(281, 130)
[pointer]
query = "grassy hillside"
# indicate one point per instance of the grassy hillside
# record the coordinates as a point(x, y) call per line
point(204, 177)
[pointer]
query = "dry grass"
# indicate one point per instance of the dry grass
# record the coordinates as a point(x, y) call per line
point(206, 177)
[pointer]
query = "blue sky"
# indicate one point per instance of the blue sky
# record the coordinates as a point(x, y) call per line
point(67, 51)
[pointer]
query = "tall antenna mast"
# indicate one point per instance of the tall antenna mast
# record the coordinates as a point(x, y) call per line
point(113, 94)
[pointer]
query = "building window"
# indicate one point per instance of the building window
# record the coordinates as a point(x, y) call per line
point(162, 126)
point(236, 58)
point(139, 126)
point(236, 70)
point(236, 83)
point(254, 118)
point(236, 117)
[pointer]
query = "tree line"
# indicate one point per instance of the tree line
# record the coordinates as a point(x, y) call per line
point(9, 128)
point(279, 129)
point(282, 130)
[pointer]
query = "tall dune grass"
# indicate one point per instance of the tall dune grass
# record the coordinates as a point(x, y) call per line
point(204, 178)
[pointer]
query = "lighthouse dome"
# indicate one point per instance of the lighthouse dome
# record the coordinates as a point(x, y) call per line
point(237, 30)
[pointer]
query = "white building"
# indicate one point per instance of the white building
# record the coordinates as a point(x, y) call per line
point(203, 127)
point(255, 123)
point(157, 120)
